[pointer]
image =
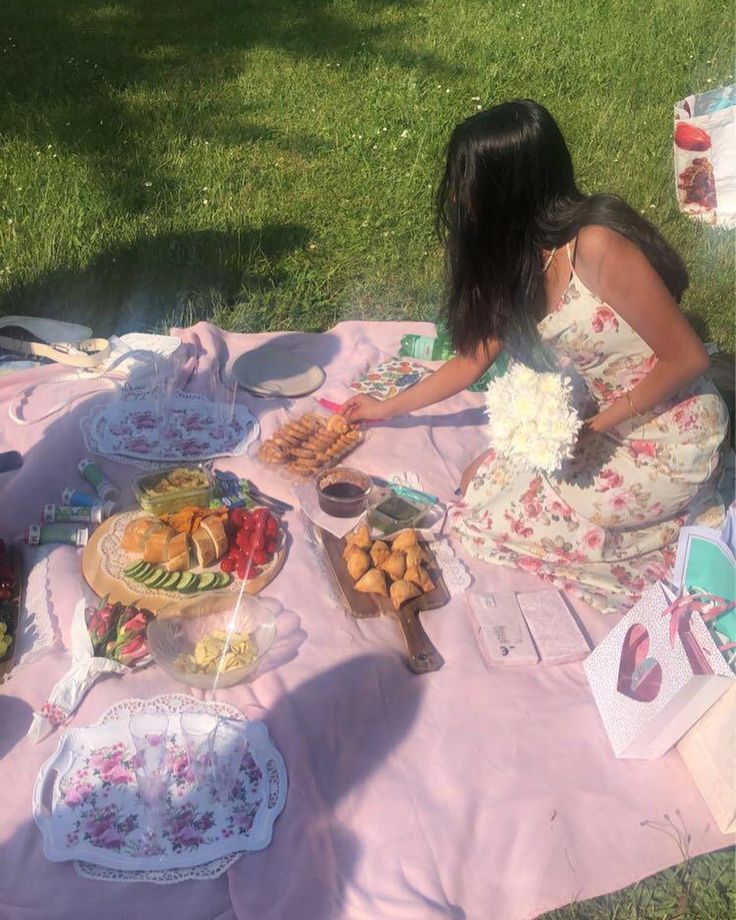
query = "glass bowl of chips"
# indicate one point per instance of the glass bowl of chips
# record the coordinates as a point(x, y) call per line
point(215, 640)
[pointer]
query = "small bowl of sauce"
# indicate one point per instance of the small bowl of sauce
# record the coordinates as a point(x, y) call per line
point(343, 492)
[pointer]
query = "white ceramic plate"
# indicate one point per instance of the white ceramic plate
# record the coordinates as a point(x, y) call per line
point(277, 371)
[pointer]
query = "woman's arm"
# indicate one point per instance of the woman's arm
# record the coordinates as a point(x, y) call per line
point(618, 272)
point(455, 375)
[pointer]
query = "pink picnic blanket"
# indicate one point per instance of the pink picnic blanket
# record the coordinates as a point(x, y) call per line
point(465, 793)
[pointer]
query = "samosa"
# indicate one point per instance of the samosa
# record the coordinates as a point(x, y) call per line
point(395, 565)
point(361, 537)
point(373, 582)
point(402, 591)
point(379, 552)
point(358, 564)
point(405, 540)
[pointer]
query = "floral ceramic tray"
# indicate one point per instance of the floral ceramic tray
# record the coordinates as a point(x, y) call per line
point(193, 430)
point(96, 814)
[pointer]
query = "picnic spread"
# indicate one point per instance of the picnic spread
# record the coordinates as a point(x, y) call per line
point(253, 674)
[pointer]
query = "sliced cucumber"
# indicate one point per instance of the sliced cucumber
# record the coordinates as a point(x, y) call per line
point(134, 568)
point(193, 585)
point(207, 580)
point(155, 578)
point(185, 581)
point(171, 582)
point(223, 579)
point(143, 572)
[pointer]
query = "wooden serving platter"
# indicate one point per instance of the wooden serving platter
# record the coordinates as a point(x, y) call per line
point(104, 560)
point(10, 611)
point(423, 656)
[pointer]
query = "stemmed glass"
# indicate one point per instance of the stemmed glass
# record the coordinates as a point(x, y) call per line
point(149, 732)
point(167, 370)
point(198, 730)
point(224, 396)
point(228, 750)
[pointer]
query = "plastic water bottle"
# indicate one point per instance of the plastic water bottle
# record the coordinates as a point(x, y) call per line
point(439, 348)
point(427, 347)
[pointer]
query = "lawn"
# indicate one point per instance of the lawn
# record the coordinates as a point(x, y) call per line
point(271, 165)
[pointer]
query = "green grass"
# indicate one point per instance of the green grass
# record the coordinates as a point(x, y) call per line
point(271, 165)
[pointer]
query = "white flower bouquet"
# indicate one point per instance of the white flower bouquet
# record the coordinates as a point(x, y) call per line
point(531, 418)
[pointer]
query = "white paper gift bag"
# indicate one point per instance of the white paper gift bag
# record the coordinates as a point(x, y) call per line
point(705, 156)
point(655, 674)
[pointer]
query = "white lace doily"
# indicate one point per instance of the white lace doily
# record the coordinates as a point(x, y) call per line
point(454, 571)
point(126, 429)
point(169, 703)
point(37, 631)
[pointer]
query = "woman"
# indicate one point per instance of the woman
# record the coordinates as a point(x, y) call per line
point(582, 283)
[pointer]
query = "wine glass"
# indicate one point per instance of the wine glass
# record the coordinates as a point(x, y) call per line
point(149, 732)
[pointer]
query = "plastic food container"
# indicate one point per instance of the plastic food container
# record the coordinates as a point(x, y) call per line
point(173, 497)
point(178, 628)
point(389, 513)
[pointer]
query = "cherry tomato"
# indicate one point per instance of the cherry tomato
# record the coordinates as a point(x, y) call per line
point(236, 516)
point(272, 528)
point(227, 565)
point(254, 572)
point(260, 557)
point(270, 546)
point(248, 522)
point(243, 540)
point(240, 570)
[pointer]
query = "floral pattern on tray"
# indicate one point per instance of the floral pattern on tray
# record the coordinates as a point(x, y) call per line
point(193, 430)
point(390, 377)
point(97, 814)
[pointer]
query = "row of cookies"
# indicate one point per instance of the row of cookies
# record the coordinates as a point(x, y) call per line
point(308, 444)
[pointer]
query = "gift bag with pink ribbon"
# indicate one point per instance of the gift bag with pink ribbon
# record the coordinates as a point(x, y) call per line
point(658, 671)
point(706, 563)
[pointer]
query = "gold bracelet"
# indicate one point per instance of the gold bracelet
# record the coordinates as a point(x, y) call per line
point(633, 411)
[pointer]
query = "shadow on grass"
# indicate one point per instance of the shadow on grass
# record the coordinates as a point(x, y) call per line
point(174, 278)
point(100, 80)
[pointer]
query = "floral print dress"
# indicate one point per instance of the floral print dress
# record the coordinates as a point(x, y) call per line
point(607, 525)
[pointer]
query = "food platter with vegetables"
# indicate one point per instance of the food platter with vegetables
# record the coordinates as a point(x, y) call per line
point(188, 552)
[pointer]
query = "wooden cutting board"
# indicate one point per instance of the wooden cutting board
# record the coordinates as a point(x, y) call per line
point(103, 561)
point(422, 654)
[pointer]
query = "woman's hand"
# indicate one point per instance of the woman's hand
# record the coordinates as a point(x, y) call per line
point(364, 408)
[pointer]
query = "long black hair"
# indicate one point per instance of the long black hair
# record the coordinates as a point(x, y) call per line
point(508, 192)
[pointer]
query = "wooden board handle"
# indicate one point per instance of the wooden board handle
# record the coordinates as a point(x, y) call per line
point(423, 656)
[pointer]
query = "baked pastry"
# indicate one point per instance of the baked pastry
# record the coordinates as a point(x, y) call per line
point(405, 540)
point(204, 548)
point(379, 552)
point(358, 563)
point(156, 546)
point(214, 528)
point(394, 565)
point(138, 531)
point(373, 582)
point(307, 444)
point(402, 591)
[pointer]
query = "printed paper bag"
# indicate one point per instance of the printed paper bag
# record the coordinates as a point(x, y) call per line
point(705, 164)
point(709, 752)
point(654, 675)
